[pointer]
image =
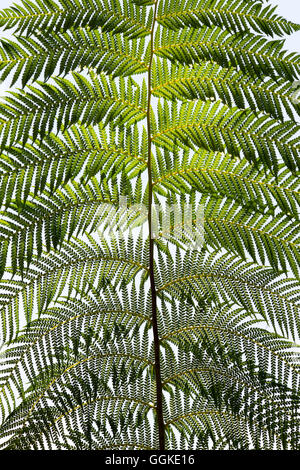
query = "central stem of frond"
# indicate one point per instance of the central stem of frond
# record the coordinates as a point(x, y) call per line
point(159, 395)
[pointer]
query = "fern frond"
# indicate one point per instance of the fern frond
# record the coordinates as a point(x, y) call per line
point(251, 53)
point(219, 128)
point(48, 276)
point(81, 150)
point(225, 277)
point(30, 18)
point(233, 15)
point(73, 51)
point(218, 174)
point(209, 81)
point(150, 342)
point(118, 311)
point(35, 110)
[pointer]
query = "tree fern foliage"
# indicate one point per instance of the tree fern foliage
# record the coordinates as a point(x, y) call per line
point(148, 343)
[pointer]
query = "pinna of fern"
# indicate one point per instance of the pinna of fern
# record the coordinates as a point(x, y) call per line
point(147, 343)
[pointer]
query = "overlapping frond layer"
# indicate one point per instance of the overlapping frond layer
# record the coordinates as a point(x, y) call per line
point(213, 381)
point(83, 151)
point(256, 289)
point(49, 275)
point(250, 53)
point(209, 80)
point(238, 201)
point(236, 16)
point(100, 333)
point(217, 127)
point(31, 18)
point(220, 175)
point(39, 110)
point(51, 219)
point(270, 240)
point(72, 51)
point(100, 330)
